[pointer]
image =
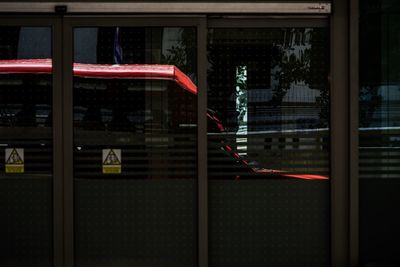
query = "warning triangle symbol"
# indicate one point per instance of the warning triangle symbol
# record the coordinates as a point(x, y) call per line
point(111, 159)
point(14, 158)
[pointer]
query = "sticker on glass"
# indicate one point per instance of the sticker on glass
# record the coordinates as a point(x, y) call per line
point(111, 161)
point(14, 160)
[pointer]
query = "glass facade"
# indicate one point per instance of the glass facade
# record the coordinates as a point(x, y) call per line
point(379, 139)
point(124, 152)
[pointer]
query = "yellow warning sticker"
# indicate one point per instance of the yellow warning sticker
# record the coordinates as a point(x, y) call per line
point(14, 160)
point(112, 161)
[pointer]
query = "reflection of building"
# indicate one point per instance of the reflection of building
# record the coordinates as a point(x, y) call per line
point(297, 108)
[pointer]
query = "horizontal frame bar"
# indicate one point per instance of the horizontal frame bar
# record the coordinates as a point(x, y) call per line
point(132, 21)
point(172, 7)
point(27, 20)
point(276, 22)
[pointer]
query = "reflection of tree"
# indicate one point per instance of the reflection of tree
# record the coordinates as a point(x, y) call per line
point(280, 61)
point(289, 69)
point(183, 53)
point(301, 62)
point(176, 55)
point(323, 103)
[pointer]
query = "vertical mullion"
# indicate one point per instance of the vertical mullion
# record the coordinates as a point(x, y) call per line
point(354, 158)
point(58, 220)
point(340, 135)
point(68, 144)
point(202, 144)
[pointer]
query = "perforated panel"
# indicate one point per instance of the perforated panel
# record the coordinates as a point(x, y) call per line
point(135, 223)
point(269, 223)
point(26, 224)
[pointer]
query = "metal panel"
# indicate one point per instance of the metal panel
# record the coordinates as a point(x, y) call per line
point(340, 135)
point(354, 135)
point(268, 22)
point(173, 7)
point(68, 146)
point(58, 220)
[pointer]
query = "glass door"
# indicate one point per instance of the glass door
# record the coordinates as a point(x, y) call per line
point(134, 143)
point(29, 168)
point(268, 143)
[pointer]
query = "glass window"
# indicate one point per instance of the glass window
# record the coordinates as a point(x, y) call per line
point(26, 141)
point(268, 146)
point(135, 146)
point(379, 132)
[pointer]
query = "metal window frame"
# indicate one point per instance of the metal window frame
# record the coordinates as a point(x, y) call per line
point(354, 133)
point(340, 140)
point(160, 7)
point(268, 22)
point(58, 175)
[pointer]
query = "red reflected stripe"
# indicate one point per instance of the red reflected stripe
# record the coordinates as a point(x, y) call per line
point(133, 71)
point(306, 176)
point(216, 121)
point(26, 66)
point(292, 175)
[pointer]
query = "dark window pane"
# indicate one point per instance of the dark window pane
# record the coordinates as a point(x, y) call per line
point(268, 146)
point(135, 146)
point(379, 132)
point(26, 153)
